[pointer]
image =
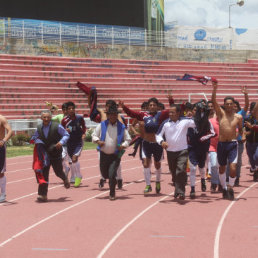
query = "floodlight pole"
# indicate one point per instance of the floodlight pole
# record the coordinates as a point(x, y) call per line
point(241, 3)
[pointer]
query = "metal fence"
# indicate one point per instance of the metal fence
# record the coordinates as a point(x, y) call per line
point(59, 32)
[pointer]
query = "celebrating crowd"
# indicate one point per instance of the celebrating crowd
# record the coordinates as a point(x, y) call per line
point(203, 135)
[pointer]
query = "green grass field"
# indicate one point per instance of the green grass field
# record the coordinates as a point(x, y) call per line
point(14, 151)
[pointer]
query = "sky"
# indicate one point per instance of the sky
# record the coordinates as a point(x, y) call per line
point(212, 13)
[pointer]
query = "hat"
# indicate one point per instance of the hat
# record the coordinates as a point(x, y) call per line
point(112, 110)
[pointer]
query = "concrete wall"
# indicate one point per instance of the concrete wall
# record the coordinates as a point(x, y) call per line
point(35, 48)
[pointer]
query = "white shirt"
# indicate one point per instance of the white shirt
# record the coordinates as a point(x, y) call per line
point(111, 138)
point(175, 134)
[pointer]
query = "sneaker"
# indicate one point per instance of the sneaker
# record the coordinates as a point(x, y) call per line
point(66, 183)
point(181, 196)
point(147, 189)
point(72, 180)
point(77, 181)
point(2, 198)
point(213, 188)
point(158, 187)
point(203, 185)
point(119, 183)
point(101, 182)
point(225, 194)
point(255, 176)
point(42, 198)
point(112, 197)
point(236, 182)
point(192, 193)
point(220, 189)
point(231, 194)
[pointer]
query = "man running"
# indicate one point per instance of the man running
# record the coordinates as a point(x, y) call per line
point(229, 121)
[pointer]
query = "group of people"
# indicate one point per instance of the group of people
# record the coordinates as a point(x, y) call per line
point(204, 135)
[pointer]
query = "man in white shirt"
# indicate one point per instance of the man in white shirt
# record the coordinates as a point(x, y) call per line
point(175, 130)
point(112, 138)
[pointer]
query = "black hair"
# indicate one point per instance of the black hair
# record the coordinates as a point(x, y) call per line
point(110, 102)
point(210, 101)
point(70, 104)
point(144, 105)
point(238, 106)
point(201, 118)
point(153, 100)
point(161, 106)
point(228, 98)
point(178, 109)
point(188, 105)
point(252, 105)
point(64, 106)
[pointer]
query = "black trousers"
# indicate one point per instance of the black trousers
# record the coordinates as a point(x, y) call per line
point(58, 169)
point(109, 164)
point(177, 162)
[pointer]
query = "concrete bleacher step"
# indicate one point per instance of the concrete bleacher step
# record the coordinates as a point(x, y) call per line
point(26, 82)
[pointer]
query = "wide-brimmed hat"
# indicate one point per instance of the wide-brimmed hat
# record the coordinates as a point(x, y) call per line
point(112, 110)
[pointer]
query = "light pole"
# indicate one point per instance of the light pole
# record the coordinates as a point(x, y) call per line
point(240, 3)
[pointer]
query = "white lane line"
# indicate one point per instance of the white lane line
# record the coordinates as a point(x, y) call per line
point(53, 173)
point(119, 233)
point(56, 214)
point(61, 185)
point(219, 228)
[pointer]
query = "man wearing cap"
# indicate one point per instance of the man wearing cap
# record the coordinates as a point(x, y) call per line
point(112, 138)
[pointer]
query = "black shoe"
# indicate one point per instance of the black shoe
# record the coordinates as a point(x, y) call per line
point(203, 185)
point(66, 183)
point(101, 183)
point(192, 193)
point(112, 197)
point(255, 176)
point(220, 189)
point(225, 194)
point(181, 196)
point(236, 182)
point(231, 194)
point(213, 188)
point(119, 183)
point(176, 195)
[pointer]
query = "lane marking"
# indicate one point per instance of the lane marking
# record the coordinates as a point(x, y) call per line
point(119, 233)
point(56, 214)
point(61, 185)
point(219, 228)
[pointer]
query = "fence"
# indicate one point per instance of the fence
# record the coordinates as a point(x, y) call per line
point(59, 32)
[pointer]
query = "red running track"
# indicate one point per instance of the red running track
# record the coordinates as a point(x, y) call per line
point(82, 222)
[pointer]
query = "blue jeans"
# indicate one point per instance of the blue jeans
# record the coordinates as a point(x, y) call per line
point(252, 152)
point(240, 150)
point(214, 167)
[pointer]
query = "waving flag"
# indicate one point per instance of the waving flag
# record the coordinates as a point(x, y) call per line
point(202, 79)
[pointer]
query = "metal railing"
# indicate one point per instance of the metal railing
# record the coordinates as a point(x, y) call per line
point(60, 32)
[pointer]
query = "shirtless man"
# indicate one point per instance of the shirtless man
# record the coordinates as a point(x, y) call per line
point(229, 121)
point(4, 137)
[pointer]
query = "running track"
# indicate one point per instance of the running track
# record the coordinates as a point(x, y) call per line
point(82, 222)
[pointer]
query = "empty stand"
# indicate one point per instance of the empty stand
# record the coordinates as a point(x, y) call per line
point(27, 82)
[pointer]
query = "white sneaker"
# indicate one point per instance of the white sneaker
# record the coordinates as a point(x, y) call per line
point(2, 197)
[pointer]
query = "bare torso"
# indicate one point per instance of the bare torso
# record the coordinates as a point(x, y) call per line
point(2, 129)
point(228, 124)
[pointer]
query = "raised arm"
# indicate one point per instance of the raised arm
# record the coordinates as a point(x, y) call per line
point(244, 91)
point(214, 101)
point(134, 114)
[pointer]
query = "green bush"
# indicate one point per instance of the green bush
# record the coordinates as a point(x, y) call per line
point(20, 139)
